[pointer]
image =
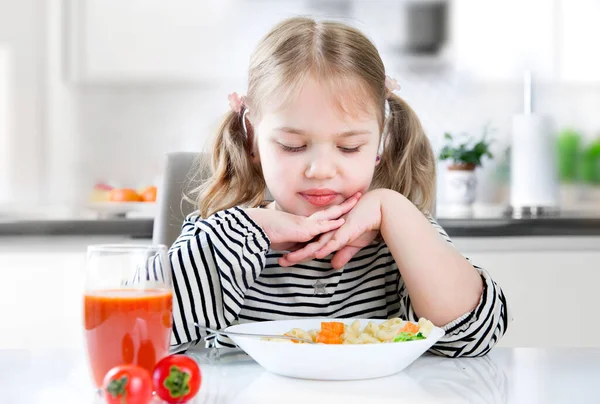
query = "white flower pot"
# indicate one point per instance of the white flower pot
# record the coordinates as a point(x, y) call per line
point(460, 187)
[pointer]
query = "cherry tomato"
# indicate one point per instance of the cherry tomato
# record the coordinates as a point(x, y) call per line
point(176, 378)
point(127, 384)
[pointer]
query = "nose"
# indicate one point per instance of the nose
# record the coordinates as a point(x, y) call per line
point(321, 166)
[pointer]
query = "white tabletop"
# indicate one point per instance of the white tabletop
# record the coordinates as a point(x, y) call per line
point(523, 375)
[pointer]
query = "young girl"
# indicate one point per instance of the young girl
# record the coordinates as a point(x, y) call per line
point(349, 232)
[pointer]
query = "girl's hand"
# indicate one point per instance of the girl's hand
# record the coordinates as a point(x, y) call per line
point(286, 230)
point(359, 230)
point(340, 258)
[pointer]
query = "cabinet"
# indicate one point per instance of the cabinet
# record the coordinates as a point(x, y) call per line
point(41, 299)
point(551, 291)
point(42, 288)
point(153, 41)
point(578, 41)
point(551, 294)
point(193, 41)
point(497, 40)
point(557, 40)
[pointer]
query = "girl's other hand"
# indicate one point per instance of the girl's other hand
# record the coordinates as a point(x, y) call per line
point(286, 231)
point(339, 259)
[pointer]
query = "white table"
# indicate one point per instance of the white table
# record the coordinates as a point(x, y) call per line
point(506, 375)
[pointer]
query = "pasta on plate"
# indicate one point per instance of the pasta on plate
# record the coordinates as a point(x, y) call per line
point(392, 330)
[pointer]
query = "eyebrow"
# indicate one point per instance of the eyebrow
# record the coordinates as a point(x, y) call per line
point(342, 134)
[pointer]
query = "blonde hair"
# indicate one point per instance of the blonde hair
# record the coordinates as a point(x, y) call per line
point(347, 64)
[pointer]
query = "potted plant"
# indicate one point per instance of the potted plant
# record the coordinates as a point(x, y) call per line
point(464, 154)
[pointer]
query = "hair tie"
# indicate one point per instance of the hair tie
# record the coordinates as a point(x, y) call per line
point(244, 121)
point(236, 102)
point(391, 85)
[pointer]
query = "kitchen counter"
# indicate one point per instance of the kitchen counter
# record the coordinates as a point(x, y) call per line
point(562, 225)
point(484, 221)
point(572, 224)
point(505, 375)
point(134, 228)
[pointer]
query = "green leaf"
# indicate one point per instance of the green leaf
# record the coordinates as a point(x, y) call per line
point(466, 150)
point(408, 336)
point(178, 382)
point(446, 153)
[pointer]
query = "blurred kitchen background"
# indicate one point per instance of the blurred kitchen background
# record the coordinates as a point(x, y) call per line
point(94, 93)
point(97, 91)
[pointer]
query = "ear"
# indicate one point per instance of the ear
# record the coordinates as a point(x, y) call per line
point(255, 156)
point(252, 146)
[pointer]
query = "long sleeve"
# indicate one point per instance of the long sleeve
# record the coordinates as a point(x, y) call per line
point(476, 332)
point(214, 262)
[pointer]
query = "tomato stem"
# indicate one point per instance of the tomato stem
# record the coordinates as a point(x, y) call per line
point(177, 382)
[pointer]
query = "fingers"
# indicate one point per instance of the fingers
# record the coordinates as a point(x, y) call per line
point(305, 253)
point(283, 262)
point(301, 232)
point(336, 211)
point(343, 256)
point(325, 226)
point(340, 238)
point(290, 246)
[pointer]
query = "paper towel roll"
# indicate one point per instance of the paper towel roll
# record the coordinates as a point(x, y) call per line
point(534, 181)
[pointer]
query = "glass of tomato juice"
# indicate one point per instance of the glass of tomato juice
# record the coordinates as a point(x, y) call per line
point(128, 304)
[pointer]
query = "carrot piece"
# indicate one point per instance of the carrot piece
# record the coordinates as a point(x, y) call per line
point(410, 327)
point(334, 326)
point(328, 341)
point(328, 333)
point(328, 337)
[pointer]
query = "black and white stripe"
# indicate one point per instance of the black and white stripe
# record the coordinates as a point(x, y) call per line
point(225, 273)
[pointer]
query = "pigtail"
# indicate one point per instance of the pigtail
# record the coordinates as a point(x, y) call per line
point(407, 162)
point(236, 179)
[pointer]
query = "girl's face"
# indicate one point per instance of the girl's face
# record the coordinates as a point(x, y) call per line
point(313, 156)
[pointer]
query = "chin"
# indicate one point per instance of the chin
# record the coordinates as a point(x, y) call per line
point(305, 208)
point(298, 207)
point(309, 210)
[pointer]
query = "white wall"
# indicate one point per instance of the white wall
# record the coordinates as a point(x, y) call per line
point(66, 136)
point(21, 30)
point(126, 130)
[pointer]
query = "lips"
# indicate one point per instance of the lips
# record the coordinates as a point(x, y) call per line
point(320, 196)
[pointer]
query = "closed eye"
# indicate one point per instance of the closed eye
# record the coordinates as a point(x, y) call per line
point(292, 149)
point(350, 149)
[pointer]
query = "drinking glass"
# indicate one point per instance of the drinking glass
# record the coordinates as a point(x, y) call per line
point(128, 304)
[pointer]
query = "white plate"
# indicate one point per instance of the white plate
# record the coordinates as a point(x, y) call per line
point(328, 362)
point(122, 208)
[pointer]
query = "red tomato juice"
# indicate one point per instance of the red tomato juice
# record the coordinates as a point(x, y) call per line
point(127, 326)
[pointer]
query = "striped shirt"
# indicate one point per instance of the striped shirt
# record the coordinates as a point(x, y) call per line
point(224, 273)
